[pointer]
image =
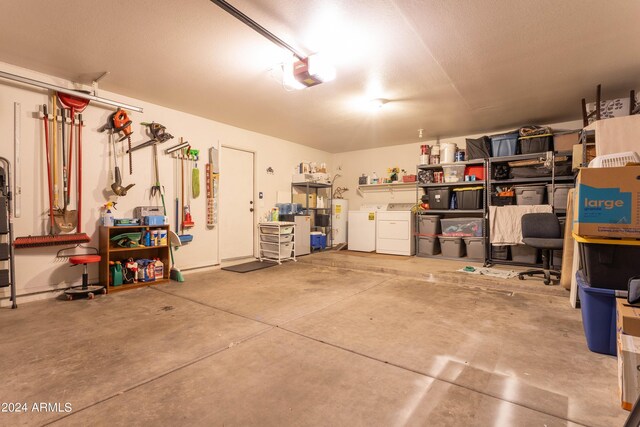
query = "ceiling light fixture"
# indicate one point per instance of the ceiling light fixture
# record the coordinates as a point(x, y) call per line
point(377, 103)
point(303, 71)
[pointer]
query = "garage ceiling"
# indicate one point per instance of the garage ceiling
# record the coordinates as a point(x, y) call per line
point(450, 67)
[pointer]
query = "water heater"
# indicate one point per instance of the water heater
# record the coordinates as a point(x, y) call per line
point(339, 213)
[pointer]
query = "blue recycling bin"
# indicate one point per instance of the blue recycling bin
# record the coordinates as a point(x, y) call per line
point(598, 306)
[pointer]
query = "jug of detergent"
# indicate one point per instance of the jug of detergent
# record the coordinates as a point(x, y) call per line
point(159, 268)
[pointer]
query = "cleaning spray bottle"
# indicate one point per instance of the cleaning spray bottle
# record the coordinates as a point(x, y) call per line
point(107, 215)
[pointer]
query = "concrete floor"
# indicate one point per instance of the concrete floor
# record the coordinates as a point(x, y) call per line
point(334, 339)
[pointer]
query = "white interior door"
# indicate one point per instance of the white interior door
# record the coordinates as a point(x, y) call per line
point(236, 204)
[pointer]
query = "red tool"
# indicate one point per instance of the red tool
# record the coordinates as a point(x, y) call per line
point(121, 123)
point(75, 105)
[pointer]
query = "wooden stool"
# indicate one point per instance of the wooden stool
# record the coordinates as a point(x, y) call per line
point(86, 290)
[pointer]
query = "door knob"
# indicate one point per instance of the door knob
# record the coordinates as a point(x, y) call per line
point(250, 202)
point(250, 209)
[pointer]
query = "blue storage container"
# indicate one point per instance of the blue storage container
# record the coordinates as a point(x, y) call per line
point(318, 241)
point(505, 144)
point(598, 308)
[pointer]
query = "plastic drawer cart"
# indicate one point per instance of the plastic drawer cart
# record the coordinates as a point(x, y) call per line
point(277, 241)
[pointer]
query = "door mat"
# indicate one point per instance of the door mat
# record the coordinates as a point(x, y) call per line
point(249, 266)
point(493, 272)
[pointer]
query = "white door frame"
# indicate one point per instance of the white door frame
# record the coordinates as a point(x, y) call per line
point(255, 183)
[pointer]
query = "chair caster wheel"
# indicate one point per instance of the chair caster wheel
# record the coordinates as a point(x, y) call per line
point(521, 277)
point(69, 298)
point(547, 282)
point(91, 295)
point(104, 291)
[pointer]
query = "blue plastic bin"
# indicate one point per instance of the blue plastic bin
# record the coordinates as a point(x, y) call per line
point(505, 144)
point(318, 241)
point(598, 308)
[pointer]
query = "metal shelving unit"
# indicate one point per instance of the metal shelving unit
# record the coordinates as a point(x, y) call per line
point(553, 179)
point(421, 188)
point(312, 188)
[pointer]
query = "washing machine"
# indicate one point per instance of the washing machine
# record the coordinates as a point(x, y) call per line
point(361, 234)
point(395, 230)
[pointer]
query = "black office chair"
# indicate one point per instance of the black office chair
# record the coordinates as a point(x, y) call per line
point(542, 231)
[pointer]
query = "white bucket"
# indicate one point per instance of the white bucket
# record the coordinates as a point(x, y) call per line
point(448, 152)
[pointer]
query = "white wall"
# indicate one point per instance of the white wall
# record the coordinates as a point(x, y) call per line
point(406, 156)
point(38, 270)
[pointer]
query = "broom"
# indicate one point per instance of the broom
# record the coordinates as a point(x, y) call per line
point(174, 272)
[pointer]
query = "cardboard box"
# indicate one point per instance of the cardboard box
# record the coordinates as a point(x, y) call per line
point(628, 317)
point(628, 354)
point(565, 141)
point(302, 199)
point(616, 135)
point(576, 159)
point(607, 202)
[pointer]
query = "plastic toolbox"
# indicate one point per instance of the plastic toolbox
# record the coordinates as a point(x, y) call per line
point(560, 193)
point(469, 198)
point(609, 266)
point(598, 307)
point(429, 225)
point(428, 245)
point(536, 144)
point(439, 197)
point(505, 144)
point(529, 194)
point(524, 254)
point(474, 247)
point(452, 247)
point(462, 227)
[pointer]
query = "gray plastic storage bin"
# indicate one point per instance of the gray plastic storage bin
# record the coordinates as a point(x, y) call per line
point(428, 246)
point(500, 252)
point(452, 247)
point(560, 193)
point(474, 247)
point(429, 224)
point(529, 194)
point(524, 254)
point(462, 227)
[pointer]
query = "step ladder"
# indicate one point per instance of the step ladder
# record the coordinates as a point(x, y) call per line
point(7, 257)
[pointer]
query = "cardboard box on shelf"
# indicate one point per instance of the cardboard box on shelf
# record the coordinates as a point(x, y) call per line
point(576, 159)
point(606, 202)
point(628, 319)
point(566, 140)
point(302, 199)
